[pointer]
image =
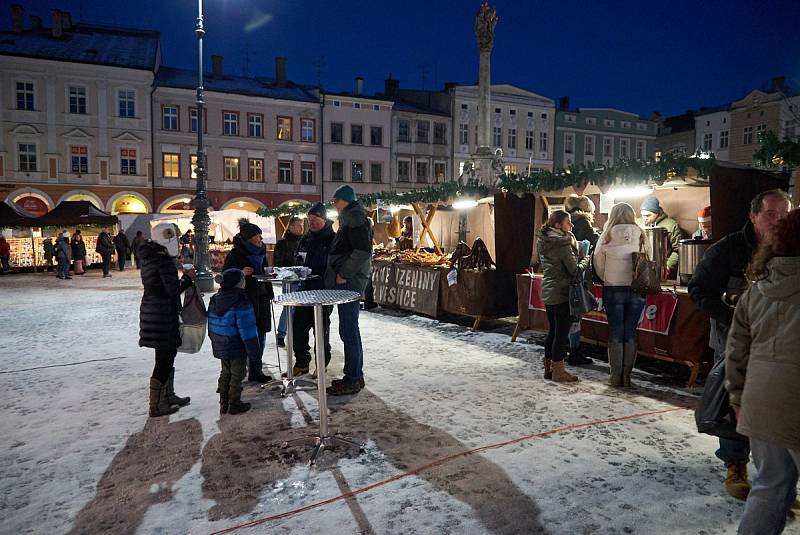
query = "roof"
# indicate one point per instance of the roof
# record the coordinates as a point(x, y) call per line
point(584, 110)
point(412, 107)
point(348, 94)
point(714, 109)
point(680, 123)
point(240, 85)
point(13, 216)
point(69, 213)
point(84, 43)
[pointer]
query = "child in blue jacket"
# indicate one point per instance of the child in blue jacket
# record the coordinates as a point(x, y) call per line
point(232, 329)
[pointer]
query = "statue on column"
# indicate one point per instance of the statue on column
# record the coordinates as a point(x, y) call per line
point(485, 22)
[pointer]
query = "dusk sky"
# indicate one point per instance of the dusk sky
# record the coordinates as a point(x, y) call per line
point(635, 56)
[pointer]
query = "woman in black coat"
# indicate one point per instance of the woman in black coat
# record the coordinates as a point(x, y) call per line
point(79, 254)
point(158, 315)
point(250, 255)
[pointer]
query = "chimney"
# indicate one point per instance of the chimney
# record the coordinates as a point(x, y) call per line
point(66, 20)
point(17, 16)
point(563, 103)
point(448, 86)
point(280, 71)
point(778, 83)
point(58, 29)
point(216, 66)
point(359, 86)
point(391, 88)
point(36, 22)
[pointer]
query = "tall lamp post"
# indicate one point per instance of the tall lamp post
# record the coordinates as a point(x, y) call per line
point(201, 220)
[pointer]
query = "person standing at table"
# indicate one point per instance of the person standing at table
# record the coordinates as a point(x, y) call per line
point(613, 262)
point(123, 247)
point(654, 216)
point(349, 268)
point(105, 248)
point(717, 282)
point(284, 256)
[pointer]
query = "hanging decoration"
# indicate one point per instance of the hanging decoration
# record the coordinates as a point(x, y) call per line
point(777, 154)
point(287, 210)
point(444, 192)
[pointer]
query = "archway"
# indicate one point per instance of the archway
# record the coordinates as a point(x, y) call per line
point(37, 202)
point(177, 204)
point(82, 195)
point(243, 203)
point(128, 202)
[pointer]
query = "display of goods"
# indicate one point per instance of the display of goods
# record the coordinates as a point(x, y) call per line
point(29, 252)
point(410, 256)
point(394, 227)
point(477, 257)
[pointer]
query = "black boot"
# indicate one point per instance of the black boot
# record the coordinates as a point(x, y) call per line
point(255, 374)
point(159, 405)
point(235, 403)
point(577, 358)
point(171, 397)
point(223, 403)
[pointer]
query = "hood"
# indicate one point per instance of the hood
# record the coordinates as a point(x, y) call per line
point(150, 249)
point(353, 216)
point(223, 300)
point(551, 238)
point(625, 234)
point(783, 280)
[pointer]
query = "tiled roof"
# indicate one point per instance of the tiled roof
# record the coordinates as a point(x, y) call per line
point(83, 43)
point(258, 87)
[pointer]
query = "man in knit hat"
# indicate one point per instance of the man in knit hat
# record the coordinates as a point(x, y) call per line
point(250, 255)
point(349, 268)
point(654, 216)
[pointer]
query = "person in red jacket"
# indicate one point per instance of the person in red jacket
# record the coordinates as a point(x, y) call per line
point(5, 254)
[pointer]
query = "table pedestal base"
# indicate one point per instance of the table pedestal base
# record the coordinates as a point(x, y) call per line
point(321, 443)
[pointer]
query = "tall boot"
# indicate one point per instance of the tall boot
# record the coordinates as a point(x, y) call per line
point(615, 362)
point(628, 360)
point(223, 403)
point(171, 397)
point(548, 368)
point(159, 405)
point(235, 403)
point(560, 374)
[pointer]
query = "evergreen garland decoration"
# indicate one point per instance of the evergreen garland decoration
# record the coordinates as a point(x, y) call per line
point(286, 211)
point(431, 194)
point(775, 153)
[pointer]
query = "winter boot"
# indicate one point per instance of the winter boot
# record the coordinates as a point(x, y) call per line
point(548, 369)
point(629, 352)
point(255, 374)
point(615, 362)
point(223, 403)
point(561, 375)
point(159, 405)
point(736, 483)
point(171, 397)
point(236, 405)
point(577, 358)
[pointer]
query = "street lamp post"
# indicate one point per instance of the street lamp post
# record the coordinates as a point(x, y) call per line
point(201, 220)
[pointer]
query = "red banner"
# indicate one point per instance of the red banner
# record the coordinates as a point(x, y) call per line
point(657, 315)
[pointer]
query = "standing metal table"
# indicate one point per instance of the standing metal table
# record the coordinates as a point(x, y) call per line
point(318, 299)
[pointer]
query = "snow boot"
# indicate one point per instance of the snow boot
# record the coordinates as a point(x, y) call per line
point(159, 405)
point(561, 375)
point(223, 403)
point(736, 483)
point(629, 352)
point(235, 403)
point(548, 369)
point(577, 358)
point(255, 373)
point(615, 362)
point(171, 397)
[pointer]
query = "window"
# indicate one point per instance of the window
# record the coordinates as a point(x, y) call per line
point(530, 115)
point(592, 121)
point(544, 116)
point(231, 166)
point(255, 170)
point(723, 139)
point(356, 134)
point(79, 159)
point(307, 130)
point(608, 122)
point(376, 107)
point(26, 154)
point(543, 141)
point(439, 170)
point(193, 165)
point(569, 118)
point(463, 134)
point(588, 145)
point(193, 120)
point(376, 172)
point(625, 124)
point(284, 132)
point(624, 148)
point(171, 165)
point(337, 132)
point(376, 136)
point(640, 149)
point(608, 147)
point(498, 136)
point(357, 171)
point(307, 173)
point(255, 125)
point(25, 96)
point(512, 138)
point(529, 140)
point(127, 161)
point(707, 141)
point(747, 138)
point(512, 113)
point(336, 103)
point(569, 143)
point(403, 131)
point(230, 123)
point(403, 171)
point(127, 103)
point(337, 171)
point(169, 116)
point(77, 100)
point(439, 133)
point(760, 131)
point(464, 107)
point(641, 126)
point(422, 171)
point(422, 131)
point(285, 172)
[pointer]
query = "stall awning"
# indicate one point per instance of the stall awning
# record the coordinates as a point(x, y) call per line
point(71, 213)
point(14, 216)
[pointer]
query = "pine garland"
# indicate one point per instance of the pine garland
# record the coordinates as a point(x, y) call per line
point(775, 153)
point(285, 211)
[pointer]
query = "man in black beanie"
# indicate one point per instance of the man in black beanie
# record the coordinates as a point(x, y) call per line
point(250, 255)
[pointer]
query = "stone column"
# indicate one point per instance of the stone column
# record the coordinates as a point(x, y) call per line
point(484, 102)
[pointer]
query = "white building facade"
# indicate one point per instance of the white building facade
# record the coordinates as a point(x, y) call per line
point(712, 132)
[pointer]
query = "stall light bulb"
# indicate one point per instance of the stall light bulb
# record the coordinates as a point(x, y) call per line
point(465, 205)
point(331, 214)
point(630, 193)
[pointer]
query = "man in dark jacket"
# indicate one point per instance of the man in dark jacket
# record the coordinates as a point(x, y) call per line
point(123, 247)
point(105, 247)
point(64, 255)
point(250, 255)
point(654, 216)
point(349, 268)
point(718, 281)
point(284, 256)
point(312, 252)
point(138, 241)
point(49, 253)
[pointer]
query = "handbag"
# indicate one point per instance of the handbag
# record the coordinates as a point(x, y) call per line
point(581, 298)
point(193, 321)
point(645, 277)
point(714, 414)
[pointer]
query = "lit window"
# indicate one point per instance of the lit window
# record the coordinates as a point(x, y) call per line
point(127, 103)
point(307, 130)
point(127, 161)
point(307, 173)
point(284, 132)
point(26, 153)
point(77, 100)
point(79, 159)
point(193, 164)
point(24, 95)
point(255, 170)
point(230, 123)
point(439, 170)
point(285, 172)
point(172, 165)
point(231, 166)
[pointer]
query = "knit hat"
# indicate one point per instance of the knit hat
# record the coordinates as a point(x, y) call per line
point(230, 278)
point(650, 204)
point(247, 229)
point(318, 209)
point(704, 214)
point(344, 193)
point(582, 203)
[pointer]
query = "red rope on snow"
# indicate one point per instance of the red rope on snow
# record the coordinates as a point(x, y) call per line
point(444, 460)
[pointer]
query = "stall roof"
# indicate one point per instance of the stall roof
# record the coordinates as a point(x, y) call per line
point(69, 213)
point(13, 216)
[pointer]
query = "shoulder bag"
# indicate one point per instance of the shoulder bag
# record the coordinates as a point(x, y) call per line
point(581, 298)
point(193, 321)
point(645, 278)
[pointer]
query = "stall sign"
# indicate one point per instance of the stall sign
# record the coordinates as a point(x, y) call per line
point(409, 287)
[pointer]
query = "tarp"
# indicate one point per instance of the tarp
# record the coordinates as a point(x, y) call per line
point(224, 224)
point(70, 213)
point(13, 216)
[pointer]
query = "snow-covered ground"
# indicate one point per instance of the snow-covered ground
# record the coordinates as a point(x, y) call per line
point(78, 453)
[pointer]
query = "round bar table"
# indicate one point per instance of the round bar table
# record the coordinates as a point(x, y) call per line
point(318, 299)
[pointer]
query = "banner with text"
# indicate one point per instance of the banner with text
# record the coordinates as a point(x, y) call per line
point(409, 287)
